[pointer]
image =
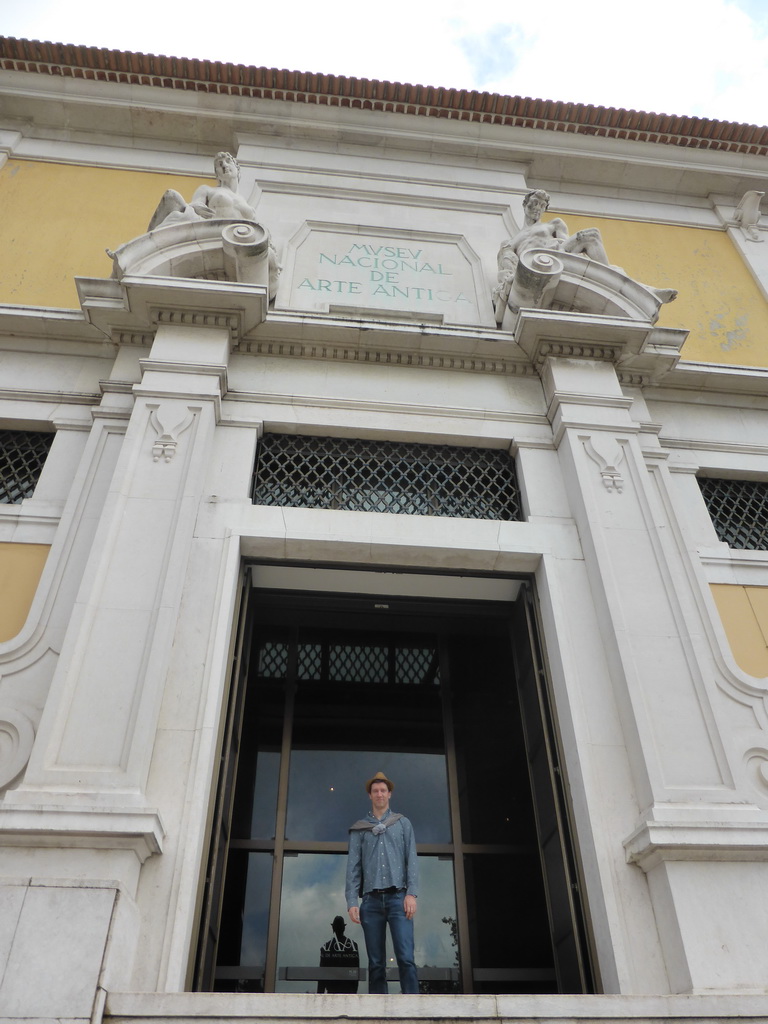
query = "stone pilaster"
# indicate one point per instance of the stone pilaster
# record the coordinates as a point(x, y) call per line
point(696, 818)
point(85, 785)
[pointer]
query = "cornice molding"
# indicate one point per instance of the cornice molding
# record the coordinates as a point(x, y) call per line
point(717, 378)
point(109, 99)
point(184, 369)
point(43, 325)
point(396, 159)
point(401, 342)
point(310, 404)
point(654, 842)
point(386, 341)
point(112, 828)
point(635, 347)
point(715, 447)
point(173, 73)
point(136, 305)
point(54, 398)
point(356, 354)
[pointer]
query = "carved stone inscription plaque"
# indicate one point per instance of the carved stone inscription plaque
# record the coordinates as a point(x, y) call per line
point(335, 268)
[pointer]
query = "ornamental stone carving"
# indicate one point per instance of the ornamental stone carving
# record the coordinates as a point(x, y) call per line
point(747, 215)
point(756, 761)
point(221, 201)
point(167, 436)
point(536, 269)
point(17, 734)
point(214, 237)
point(607, 464)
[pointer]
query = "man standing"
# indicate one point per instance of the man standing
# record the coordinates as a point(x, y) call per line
point(382, 868)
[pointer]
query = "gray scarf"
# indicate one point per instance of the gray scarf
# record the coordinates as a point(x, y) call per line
point(381, 826)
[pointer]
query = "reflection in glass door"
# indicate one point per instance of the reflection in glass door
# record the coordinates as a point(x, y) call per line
point(312, 884)
point(337, 689)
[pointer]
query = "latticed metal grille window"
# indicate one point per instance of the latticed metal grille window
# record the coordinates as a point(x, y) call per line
point(22, 457)
point(363, 663)
point(739, 511)
point(386, 476)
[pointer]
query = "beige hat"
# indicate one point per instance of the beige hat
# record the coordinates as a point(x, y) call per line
point(379, 777)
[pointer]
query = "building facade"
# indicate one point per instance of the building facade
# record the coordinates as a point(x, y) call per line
point(350, 461)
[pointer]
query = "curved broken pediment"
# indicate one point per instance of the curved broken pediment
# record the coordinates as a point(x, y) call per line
point(563, 281)
point(239, 251)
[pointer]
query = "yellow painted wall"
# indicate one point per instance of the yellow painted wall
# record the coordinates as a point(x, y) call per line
point(21, 566)
point(59, 218)
point(744, 613)
point(718, 301)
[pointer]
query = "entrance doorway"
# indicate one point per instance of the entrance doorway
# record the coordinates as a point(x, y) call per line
point(448, 699)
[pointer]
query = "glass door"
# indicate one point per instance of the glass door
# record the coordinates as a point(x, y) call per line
point(337, 689)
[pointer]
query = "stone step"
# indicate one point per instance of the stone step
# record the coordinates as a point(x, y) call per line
point(214, 1008)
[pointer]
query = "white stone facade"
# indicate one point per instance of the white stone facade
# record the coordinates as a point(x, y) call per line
point(112, 697)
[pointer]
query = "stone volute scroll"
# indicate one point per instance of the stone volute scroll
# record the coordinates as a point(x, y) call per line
point(545, 267)
point(747, 215)
point(215, 236)
point(17, 734)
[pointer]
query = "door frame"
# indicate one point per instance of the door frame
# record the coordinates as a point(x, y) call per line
point(353, 581)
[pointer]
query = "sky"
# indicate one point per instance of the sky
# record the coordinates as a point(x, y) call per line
point(707, 58)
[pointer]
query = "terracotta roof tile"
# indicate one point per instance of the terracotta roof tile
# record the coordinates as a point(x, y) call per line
point(100, 64)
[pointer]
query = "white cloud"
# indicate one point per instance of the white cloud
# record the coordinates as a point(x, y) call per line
point(709, 60)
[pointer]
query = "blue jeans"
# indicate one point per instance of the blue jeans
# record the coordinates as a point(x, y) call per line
point(376, 911)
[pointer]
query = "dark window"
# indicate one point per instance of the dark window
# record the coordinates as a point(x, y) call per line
point(386, 476)
point(22, 457)
point(739, 511)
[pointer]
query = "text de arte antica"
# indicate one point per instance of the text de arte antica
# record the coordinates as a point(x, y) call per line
point(387, 271)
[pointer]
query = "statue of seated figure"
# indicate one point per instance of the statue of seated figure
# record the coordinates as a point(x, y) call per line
point(220, 200)
point(552, 234)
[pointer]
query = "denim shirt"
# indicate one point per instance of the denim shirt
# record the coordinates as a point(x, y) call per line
point(377, 862)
